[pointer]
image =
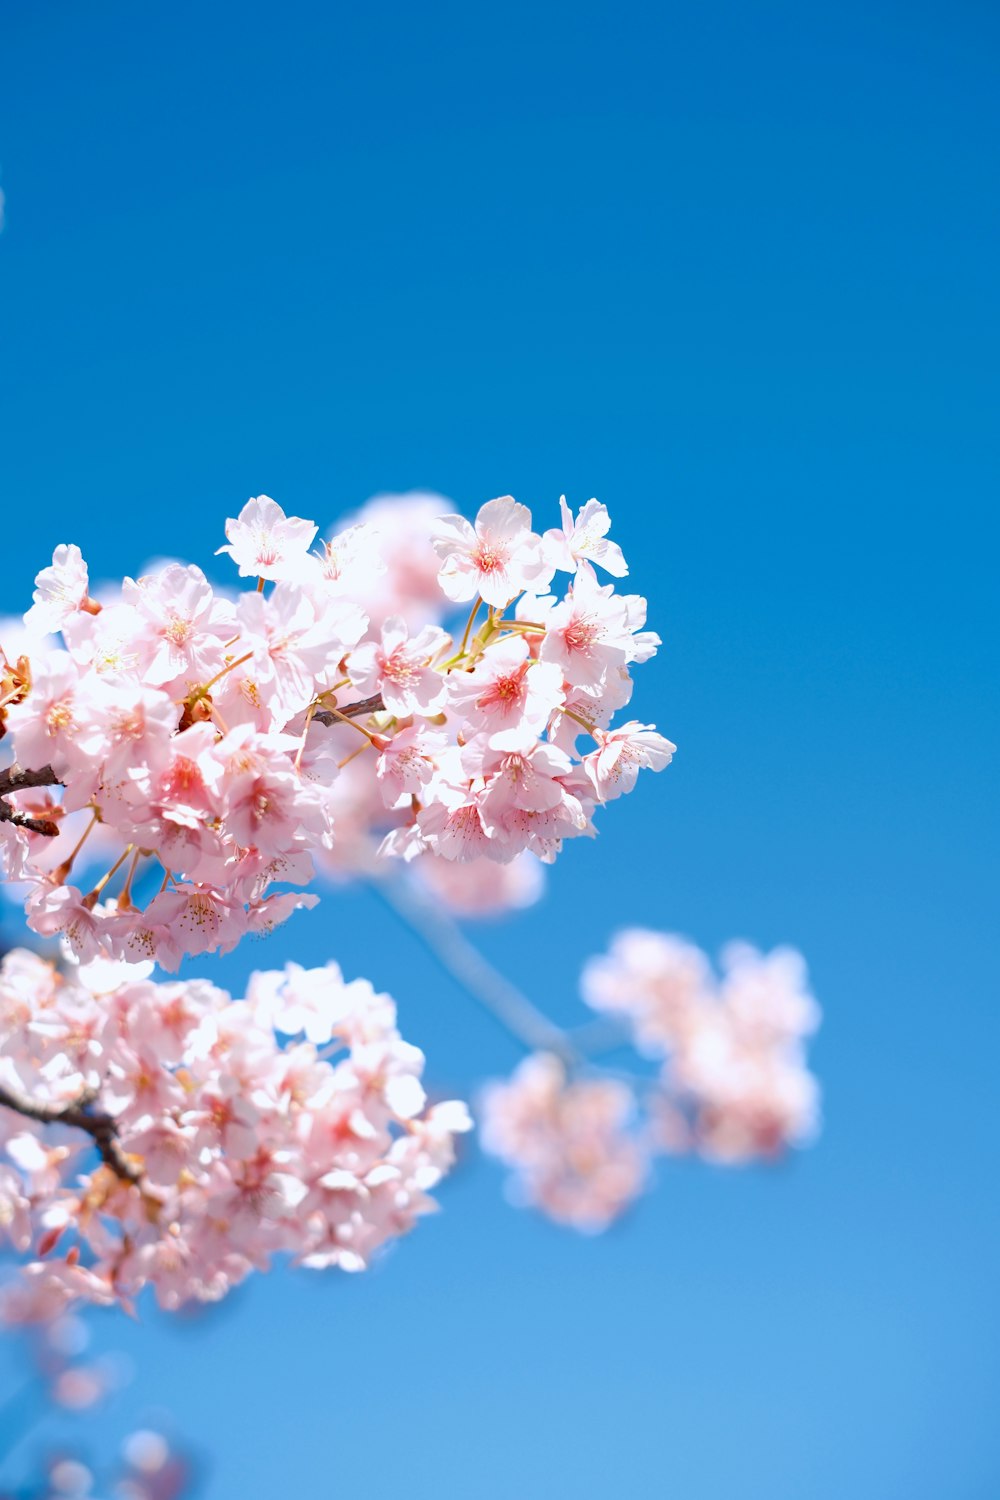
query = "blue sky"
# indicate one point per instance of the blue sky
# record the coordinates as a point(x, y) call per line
point(732, 269)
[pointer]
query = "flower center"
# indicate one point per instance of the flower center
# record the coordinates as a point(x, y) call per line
point(488, 558)
point(581, 632)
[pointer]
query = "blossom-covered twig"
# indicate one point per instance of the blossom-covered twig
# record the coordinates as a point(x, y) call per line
point(290, 1122)
point(212, 733)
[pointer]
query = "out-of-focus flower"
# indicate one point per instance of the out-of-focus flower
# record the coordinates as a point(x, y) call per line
point(571, 1143)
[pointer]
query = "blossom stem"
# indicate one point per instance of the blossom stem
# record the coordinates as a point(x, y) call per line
point(125, 898)
point(91, 897)
point(59, 875)
point(346, 719)
point(219, 720)
point(468, 624)
point(231, 667)
point(305, 731)
point(354, 755)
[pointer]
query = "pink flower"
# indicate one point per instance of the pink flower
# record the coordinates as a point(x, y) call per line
point(199, 919)
point(614, 766)
point(766, 994)
point(452, 826)
point(507, 695)
point(399, 668)
point(201, 733)
point(187, 790)
point(589, 634)
point(408, 764)
point(498, 558)
point(569, 1142)
point(585, 540)
point(658, 982)
point(296, 650)
point(45, 724)
point(265, 543)
point(15, 1216)
point(125, 732)
point(61, 909)
point(266, 804)
point(183, 626)
point(60, 590)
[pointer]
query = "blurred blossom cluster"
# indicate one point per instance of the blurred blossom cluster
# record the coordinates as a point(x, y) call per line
point(731, 1085)
point(291, 1121)
point(64, 1384)
point(148, 1469)
point(211, 749)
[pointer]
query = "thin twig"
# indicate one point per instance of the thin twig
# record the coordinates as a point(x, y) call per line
point(446, 941)
point(81, 1115)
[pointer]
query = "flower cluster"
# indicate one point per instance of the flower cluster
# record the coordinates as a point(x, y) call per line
point(228, 743)
point(576, 1155)
point(732, 1085)
point(292, 1121)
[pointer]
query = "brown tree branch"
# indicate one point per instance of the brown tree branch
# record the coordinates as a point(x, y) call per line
point(361, 710)
point(16, 779)
point(82, 1115)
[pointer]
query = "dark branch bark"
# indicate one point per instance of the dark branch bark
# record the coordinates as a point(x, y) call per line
point(16, 779)
point(361, 710)
point(81, 1115)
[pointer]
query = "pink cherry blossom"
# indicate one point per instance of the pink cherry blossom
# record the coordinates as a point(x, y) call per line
point(222, 751)
point(570, 1142)
point(658, 983)
point(182, 626)
point(60, 590)
point(589, 634)
point(241, 1143)
point(400, 668)
point(614, 766)
point(265, 543)
point(498, 558)
point(585, 540)
point(507, 695)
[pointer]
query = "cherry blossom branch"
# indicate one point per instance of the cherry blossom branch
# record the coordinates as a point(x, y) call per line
point(462, 960)
point(81, 1115)
point(360, 710)
point(16, 779)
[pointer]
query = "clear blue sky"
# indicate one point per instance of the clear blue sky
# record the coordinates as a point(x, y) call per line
point(732, 268)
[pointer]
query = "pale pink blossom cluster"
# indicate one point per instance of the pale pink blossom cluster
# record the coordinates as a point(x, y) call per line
point(216, 747)
point(732, 1084)
point(572, 1142)
point(187, 1138)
